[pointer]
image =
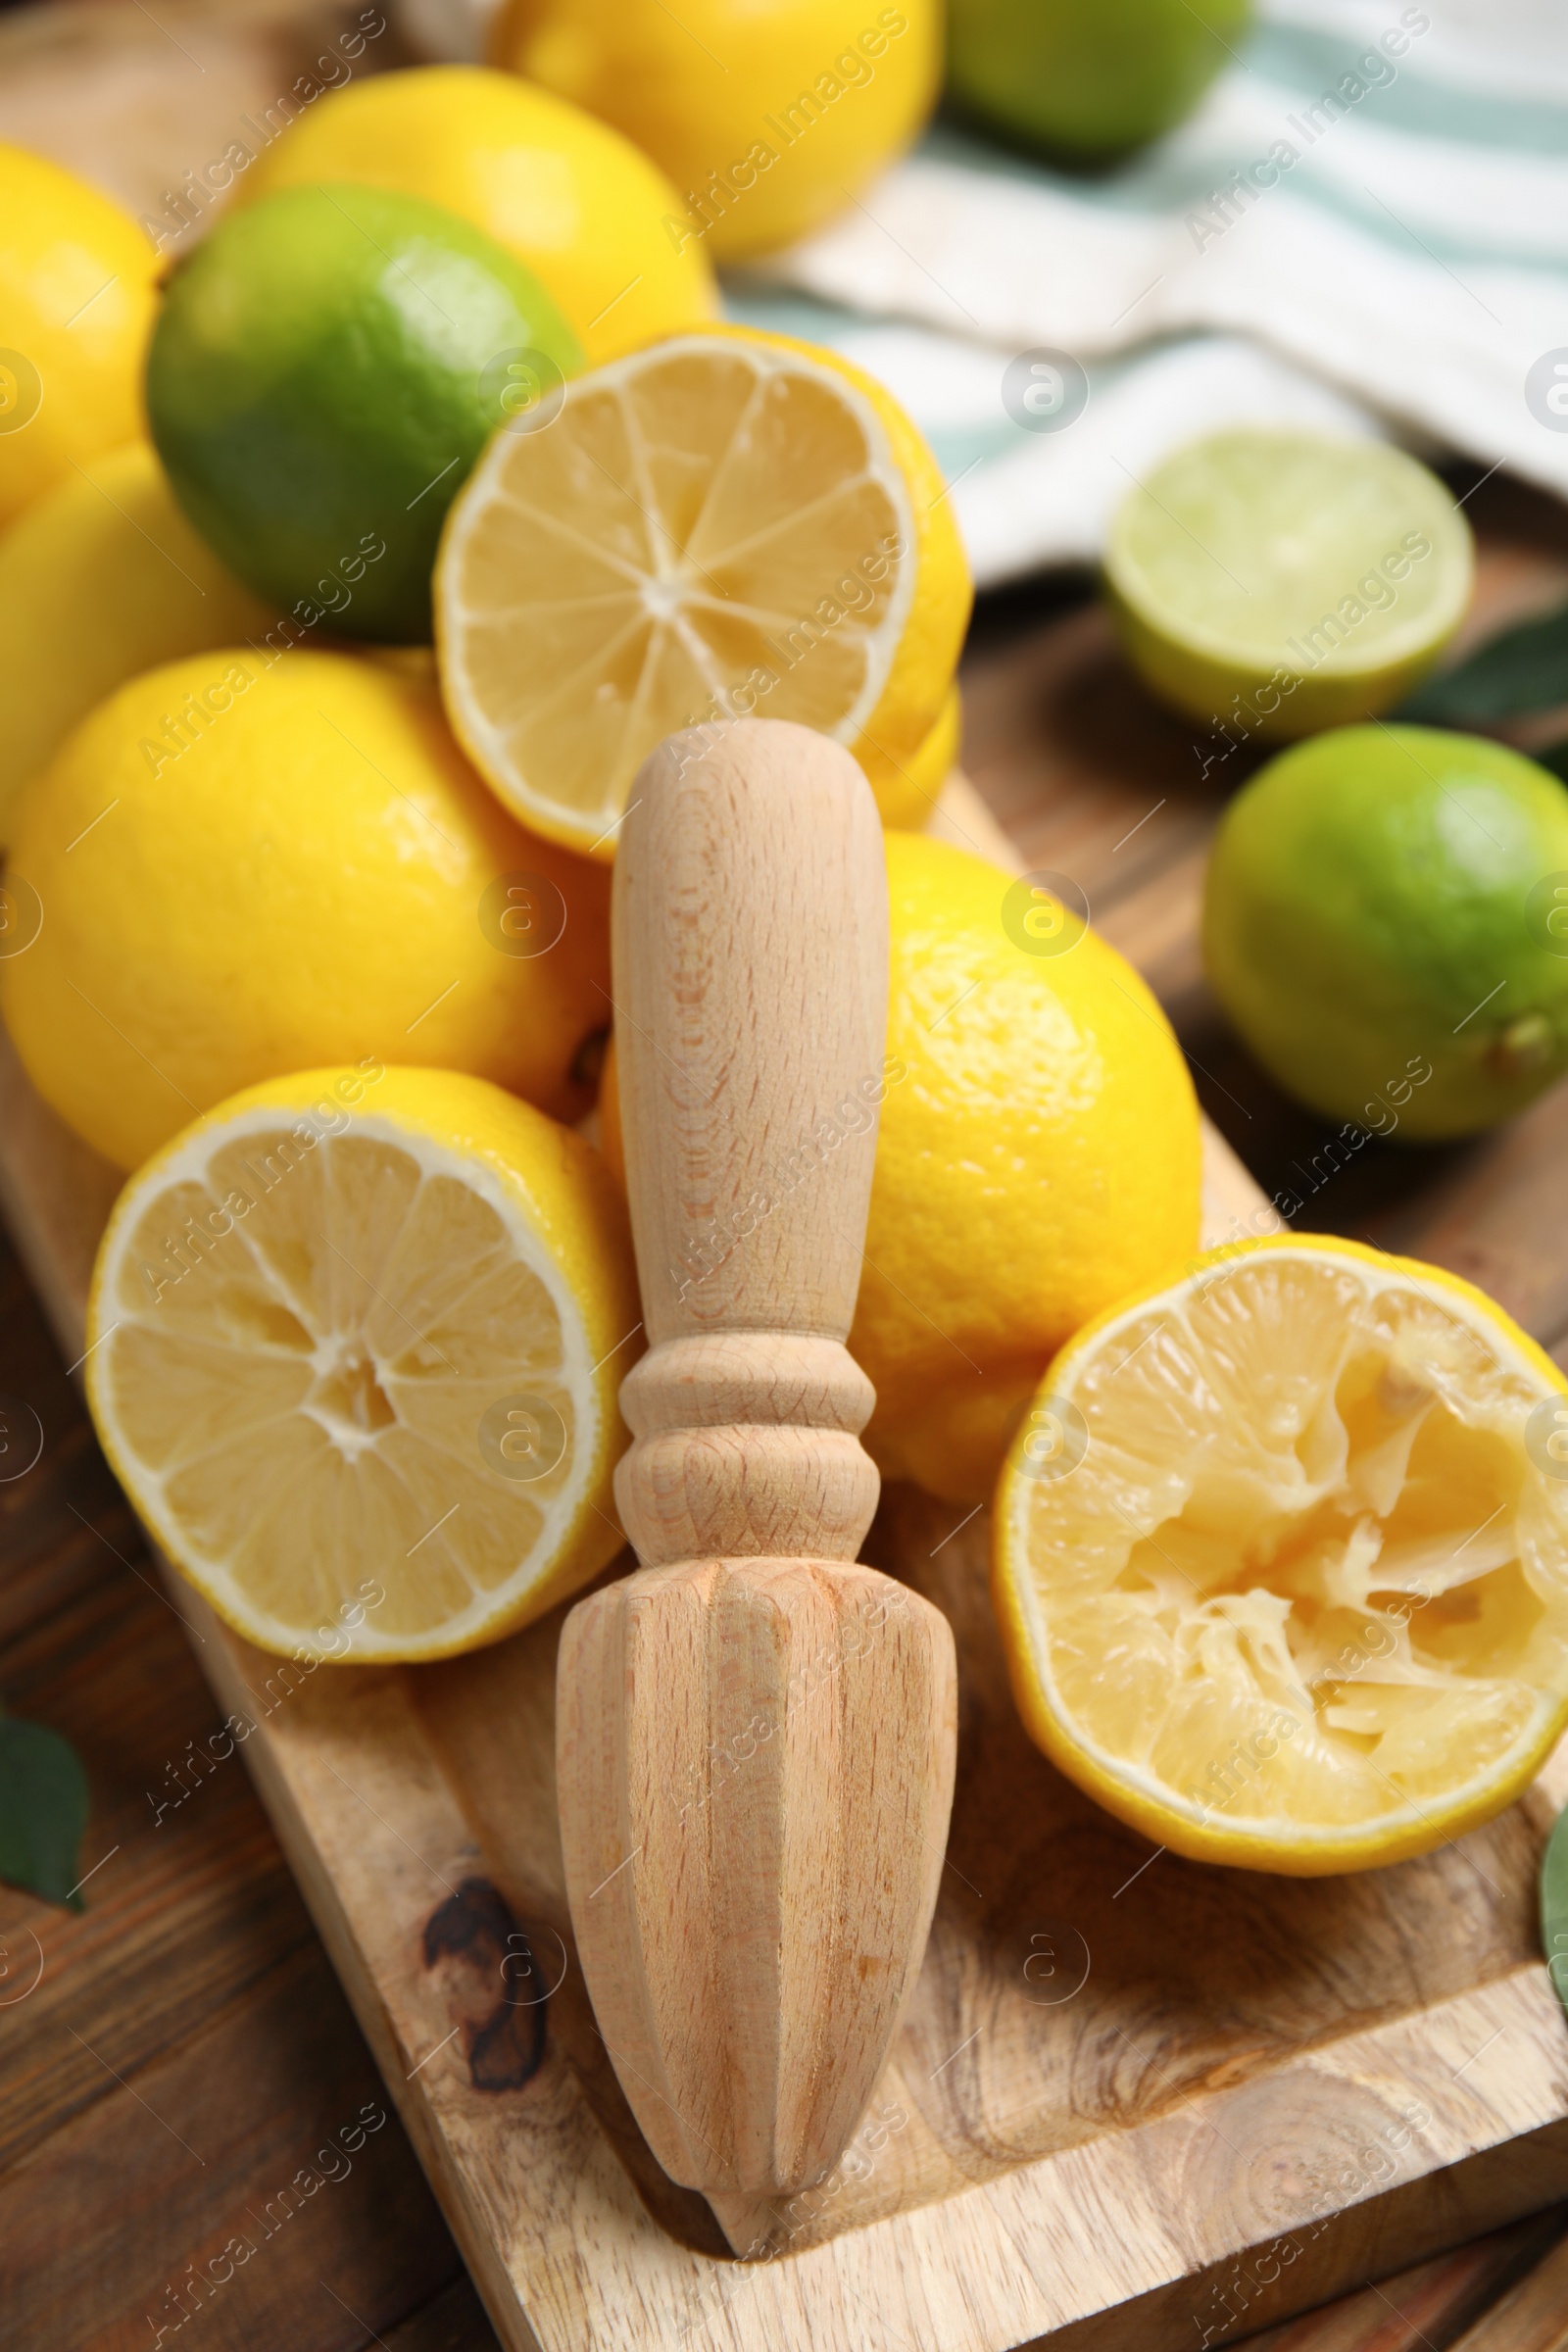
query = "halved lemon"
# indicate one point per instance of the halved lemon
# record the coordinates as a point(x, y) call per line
point(354, 1346)
point(1281, 1558)
point(729, 522)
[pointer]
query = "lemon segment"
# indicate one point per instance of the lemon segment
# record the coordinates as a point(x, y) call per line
point(729, 523)
point(1281, 1558)
point(354, 1347)
point(1277, 582)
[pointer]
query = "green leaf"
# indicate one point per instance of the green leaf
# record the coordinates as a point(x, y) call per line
point(1522, 669)
point(1554, 1906)
point(43, 1811)
point(1556, 759)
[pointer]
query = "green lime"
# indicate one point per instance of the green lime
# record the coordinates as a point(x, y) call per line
point(327, 366)
point(1386, 923)
point(1273, 584)
point(1088, 80)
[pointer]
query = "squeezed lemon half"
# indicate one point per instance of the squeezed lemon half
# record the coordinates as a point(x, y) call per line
point(1282, 1558)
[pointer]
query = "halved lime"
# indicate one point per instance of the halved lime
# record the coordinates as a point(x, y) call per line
point(1276, 582)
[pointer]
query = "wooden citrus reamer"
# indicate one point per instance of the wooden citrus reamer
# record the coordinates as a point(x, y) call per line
point(755, 1744)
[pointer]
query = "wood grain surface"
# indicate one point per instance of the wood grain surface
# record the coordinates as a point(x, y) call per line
point(197, 1977)
point(187, 2051)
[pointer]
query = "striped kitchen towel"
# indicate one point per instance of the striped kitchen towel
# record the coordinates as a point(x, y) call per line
point(1366, 227)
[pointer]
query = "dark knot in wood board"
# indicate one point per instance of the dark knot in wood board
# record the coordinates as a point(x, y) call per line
point(499, 1994)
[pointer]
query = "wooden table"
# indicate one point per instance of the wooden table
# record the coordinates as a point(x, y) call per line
point(187, 2053)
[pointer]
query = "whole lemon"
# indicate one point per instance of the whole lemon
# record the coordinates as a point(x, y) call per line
point(768, 115)
point(1038, 1157)
point(327, 367)
point(77, 303)
point(233, 871)
point(100, 578)
point(568, 197)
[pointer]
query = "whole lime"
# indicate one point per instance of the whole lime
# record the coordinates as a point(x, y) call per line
point(1386, 923)
point(326, 369)
point(1087, 80)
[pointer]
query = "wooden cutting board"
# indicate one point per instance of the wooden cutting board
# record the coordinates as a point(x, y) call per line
point(1126, 2079)
point(1136, 2100)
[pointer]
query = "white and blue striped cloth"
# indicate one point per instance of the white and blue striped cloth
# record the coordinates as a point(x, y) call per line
point(1403, 271)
